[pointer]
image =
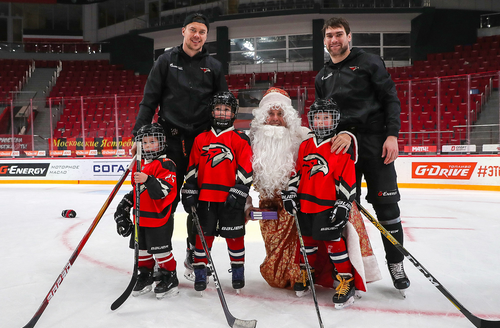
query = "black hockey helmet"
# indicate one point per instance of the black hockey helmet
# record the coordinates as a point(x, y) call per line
point(324, 107)
point(225, 98)
point(152, 130)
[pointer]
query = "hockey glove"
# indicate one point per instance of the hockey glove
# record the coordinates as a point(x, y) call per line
point(290, 201)
point(123, 224)
point(237, 197)
point(340, 214)
point(189, 196)
point(122, 215)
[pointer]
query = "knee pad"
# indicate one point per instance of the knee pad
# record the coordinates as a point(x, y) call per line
point(387, 214)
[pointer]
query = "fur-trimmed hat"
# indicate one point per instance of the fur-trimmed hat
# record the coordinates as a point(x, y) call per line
point(275, 95)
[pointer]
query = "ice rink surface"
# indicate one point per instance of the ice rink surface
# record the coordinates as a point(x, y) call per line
point(454, 234)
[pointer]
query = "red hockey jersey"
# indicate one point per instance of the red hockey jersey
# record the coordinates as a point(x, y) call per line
point(157, 193)
point(219, 161)
point(322, 177)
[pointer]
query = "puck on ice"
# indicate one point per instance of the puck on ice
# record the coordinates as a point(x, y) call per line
point(68, 214)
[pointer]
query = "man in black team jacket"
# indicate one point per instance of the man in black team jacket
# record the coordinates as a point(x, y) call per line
point(182, 82)
point(363, 89)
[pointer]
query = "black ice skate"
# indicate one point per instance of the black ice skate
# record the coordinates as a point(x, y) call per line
point(167, 286)
point(345, 291)
point(188, 263)
point(144, 281)
point(399, 278)
point(201, 278)
point(238, 276)
point(301, 287)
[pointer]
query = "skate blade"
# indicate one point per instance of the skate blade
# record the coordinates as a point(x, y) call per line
point(171, 293)
point(145, 290)
point(340, 306)
point(189, 275)
point(303, 293)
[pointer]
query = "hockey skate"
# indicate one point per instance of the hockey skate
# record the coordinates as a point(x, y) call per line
point(167, 287)
point(188, 262)
point(301, 287)
point(238, 276)
point(399, 278)
point(345, 291)
point(144, 281)
point(201, 278)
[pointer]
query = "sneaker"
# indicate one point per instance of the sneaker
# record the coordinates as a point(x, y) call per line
point(188, 264)
point(167, 285)
point(201, 279)
point(144, 281)
point(301, 287)
point(398, 275)
point(345, 291)
point(238, 274)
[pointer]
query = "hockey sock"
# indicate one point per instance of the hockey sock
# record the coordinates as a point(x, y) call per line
point(236, 249)
point(166, 261)
point(199, 253)
point(337, 251)
point(146, 259)
point(311, 246)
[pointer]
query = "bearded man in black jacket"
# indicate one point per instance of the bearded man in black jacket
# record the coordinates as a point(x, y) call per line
point(363, 89)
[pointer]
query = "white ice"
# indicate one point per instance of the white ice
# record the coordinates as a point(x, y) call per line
point(454, 234)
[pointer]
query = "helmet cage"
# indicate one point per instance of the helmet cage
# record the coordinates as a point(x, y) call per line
point(319, 110)
point(156, 131)
point(224, 98)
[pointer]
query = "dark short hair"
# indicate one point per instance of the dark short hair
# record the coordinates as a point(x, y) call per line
point(336, 22)
point(196, 18)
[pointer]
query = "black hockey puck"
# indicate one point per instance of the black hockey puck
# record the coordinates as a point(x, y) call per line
point(68, 214)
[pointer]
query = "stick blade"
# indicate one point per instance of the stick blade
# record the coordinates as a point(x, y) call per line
point(487, 324)
point(238, 323)
point(123, 297)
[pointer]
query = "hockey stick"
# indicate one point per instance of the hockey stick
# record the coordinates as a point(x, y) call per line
point(126, 293)
point(78, 249)
point(476, 321)
point(308, 268)
point(231, 320)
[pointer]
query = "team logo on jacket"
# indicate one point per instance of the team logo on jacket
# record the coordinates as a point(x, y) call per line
point(318, 164)
point(216, 153)
point(205, 69)
point(353, 68)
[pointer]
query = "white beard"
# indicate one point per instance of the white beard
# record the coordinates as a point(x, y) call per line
point(275, 150)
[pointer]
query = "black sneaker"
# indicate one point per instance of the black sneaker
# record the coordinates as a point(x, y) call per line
point(398, 275)
point(144, 281)
point(167, 285)
point(201, 279)
point(238, 275)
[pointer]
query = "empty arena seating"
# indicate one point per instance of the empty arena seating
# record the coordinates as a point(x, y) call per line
point(91, 94)
point(13, 75)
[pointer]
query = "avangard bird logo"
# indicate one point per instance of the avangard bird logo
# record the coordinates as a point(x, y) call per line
point(216, 153)
point(319, 164)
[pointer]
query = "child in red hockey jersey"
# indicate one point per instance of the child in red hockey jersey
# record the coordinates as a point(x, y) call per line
point(158, 190)
point(323, 189)
point(217, 184)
